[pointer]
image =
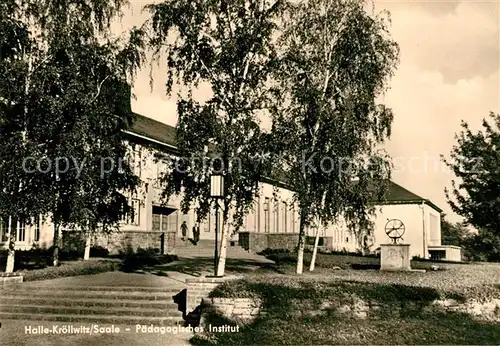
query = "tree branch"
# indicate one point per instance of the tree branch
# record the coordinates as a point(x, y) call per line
point(99, 89)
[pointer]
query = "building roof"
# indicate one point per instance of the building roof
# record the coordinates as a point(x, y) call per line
point(166, 135)
point(153, 129)
point(399, 195)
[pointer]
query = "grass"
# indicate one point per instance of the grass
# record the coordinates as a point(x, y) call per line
point(287, 297)
point(438, 329)
point(71, 268)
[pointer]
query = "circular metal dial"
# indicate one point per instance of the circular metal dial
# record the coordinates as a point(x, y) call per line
point(394, 229)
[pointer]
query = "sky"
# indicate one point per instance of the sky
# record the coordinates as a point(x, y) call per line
point(449, 71)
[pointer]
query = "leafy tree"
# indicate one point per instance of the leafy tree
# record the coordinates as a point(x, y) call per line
point(21, 197)
point(483, 246)
point(474, 160)
point(453, 234)
point(336, 61)
point(228, 46)
point(75, 104)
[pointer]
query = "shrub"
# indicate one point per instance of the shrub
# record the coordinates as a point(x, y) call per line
point(134, 260)
point(99, 251)
point(269, 251)
point(72, 269)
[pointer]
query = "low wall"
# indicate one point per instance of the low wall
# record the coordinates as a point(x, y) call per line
point(246, 310)
point(7, 279)
point(239, 309)
point(199, 288)
point(123, 240)
point(256, 242)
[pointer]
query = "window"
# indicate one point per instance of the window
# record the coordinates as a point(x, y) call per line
point(256, 207)
point(156, 222)
point(266, 215)
point(276, 216)
point(36, 236)
point(161, 169)
point(135, 214)
point(133, 218)
point(172, 221)
point(284, 223)
point(4, 229)
point(20, 230)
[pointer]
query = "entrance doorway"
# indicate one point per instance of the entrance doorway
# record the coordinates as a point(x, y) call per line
point(165, 219)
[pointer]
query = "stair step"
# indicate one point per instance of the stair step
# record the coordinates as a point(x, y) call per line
point(75, 310)
point(30, 300)
point(92, 288)
point(104, 319)
point(46, 293)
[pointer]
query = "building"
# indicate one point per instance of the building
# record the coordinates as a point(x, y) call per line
point(273, 223)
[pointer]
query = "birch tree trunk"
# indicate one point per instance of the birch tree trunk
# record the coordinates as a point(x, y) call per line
point(57, 243)
point(9, 268)
point(300, 250)
point(86, 254)
point(315, 251)
point(316, 239)
point(223, 250)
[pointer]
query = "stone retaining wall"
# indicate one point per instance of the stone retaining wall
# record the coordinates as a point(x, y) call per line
point(256, 242)
point(199, 288)
point(121, 241)
point(246, 310)
point(238, 309)
point(7, 279)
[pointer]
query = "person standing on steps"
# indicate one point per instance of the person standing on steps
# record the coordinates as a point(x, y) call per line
point(196, 234)
point(184, 229)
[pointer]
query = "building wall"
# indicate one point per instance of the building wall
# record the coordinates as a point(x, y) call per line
point(273, 212)
point(421, 221)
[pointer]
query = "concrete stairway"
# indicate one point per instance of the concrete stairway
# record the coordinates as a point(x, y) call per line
point(97, 304)
point(205, 248)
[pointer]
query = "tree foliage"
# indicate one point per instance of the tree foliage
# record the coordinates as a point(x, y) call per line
point(336, 59)
point(63, 110)
point(474, 160)
point(228, 46)
point(453, 234)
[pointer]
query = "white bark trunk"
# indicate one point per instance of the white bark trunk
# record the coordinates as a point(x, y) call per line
point(315, 251)
point(300, 250)
point(221, 266)
point(11, 257)
point(86, 255)
point(10, 262)
point(57, 243)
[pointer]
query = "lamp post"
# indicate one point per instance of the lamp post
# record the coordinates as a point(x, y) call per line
point(216, 192)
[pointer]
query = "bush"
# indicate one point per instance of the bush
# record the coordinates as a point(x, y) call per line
point(99, 251)
point(269, 251)
point(72, 269)
point(134, 260)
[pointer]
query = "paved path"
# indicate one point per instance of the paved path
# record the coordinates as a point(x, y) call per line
point(172, 275)
point(110, 279)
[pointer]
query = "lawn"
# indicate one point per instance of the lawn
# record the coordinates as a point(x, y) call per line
point(286, 296)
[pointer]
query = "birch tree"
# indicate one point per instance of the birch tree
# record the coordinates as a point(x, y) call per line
point(336, 59)
point(228, 46)
point(75, 104)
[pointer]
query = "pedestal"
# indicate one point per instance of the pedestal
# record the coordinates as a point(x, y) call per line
point(395, 257)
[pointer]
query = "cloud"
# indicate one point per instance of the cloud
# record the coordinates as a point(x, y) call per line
point(449, 72)
point(463, 43)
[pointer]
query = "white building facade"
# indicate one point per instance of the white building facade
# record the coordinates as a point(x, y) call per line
point(273, 222)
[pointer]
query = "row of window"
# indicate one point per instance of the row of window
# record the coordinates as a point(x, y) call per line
point(279, 217)
point(9, 224)
point(133, 218)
